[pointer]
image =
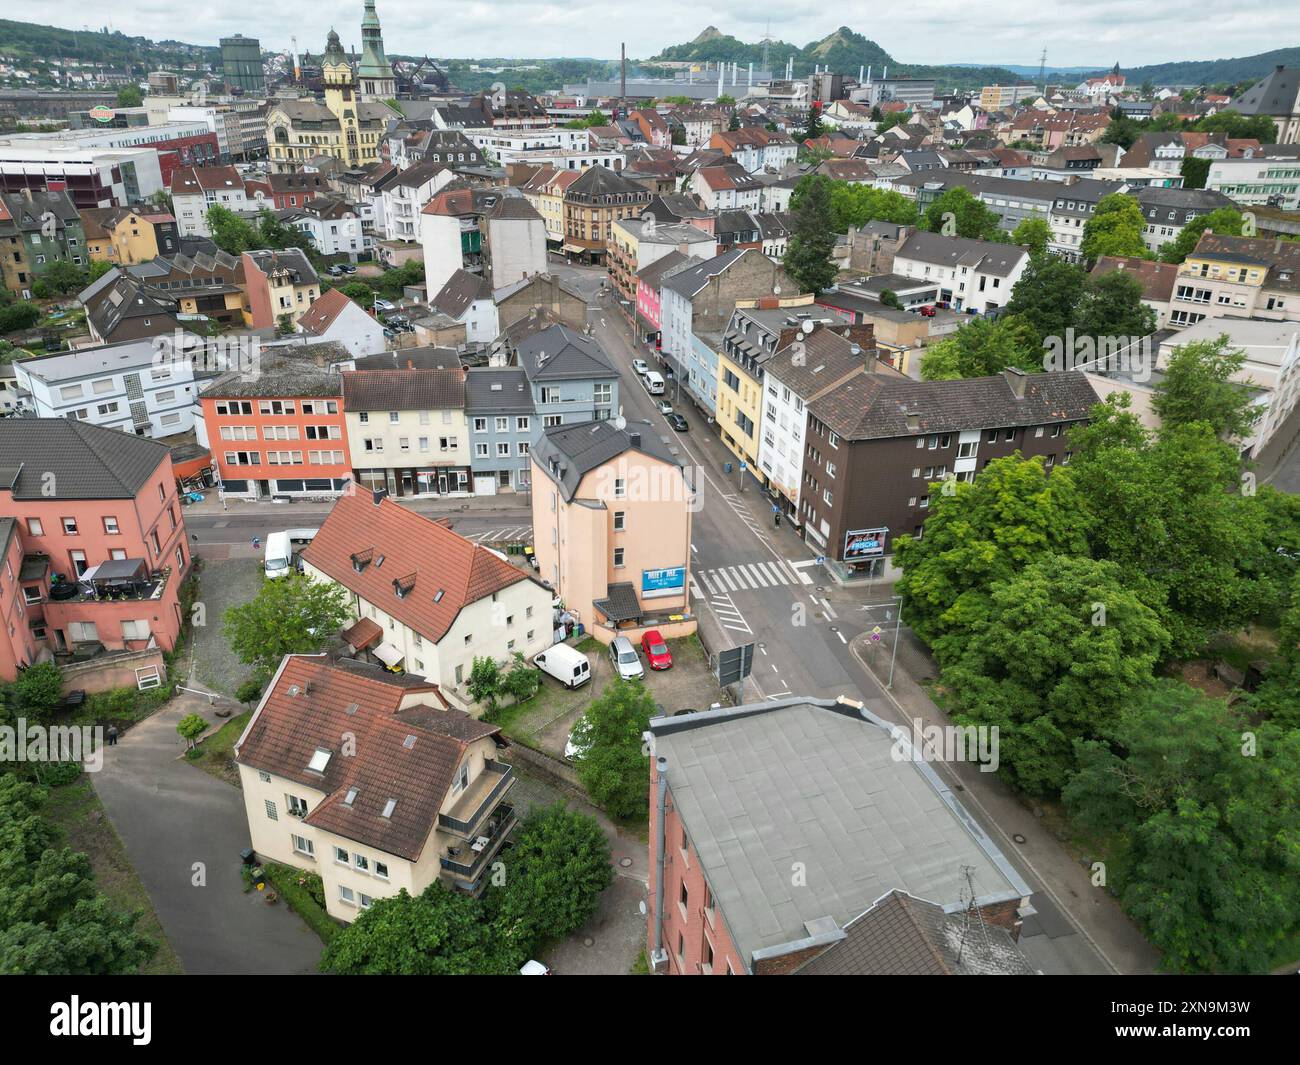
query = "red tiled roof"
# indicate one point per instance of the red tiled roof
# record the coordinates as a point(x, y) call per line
point(317, 318)
point(408, 757)
point(403, 545)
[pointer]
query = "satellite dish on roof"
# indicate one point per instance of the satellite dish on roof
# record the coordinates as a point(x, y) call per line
point(809, 326)
point(620, 423)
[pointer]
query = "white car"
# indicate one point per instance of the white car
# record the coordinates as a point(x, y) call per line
point(534, 968)
point(640, 366)
point(626, 662)
point(573, 749)
point(665, 407)
point(384, 305)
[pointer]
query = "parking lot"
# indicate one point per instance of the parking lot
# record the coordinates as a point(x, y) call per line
point(545, 722)
point(223, 583)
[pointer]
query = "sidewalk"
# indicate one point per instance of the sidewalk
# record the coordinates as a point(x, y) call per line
point(1065, 880)
point(434, 505)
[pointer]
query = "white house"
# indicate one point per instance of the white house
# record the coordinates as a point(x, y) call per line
point(406, 195)
point(467, 298)
point(126, 386)
point(971, 274)
point(516, 241)
point(197, 188)
point(332, 316)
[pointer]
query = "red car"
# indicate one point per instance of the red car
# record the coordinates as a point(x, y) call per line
point(926, 311)
point(656, 651)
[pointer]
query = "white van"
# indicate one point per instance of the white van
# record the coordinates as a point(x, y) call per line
point(566, 665)
point(301, 537)
point(654, 383)
point(279, 555)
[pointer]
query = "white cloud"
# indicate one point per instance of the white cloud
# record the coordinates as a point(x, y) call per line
point(923, 31)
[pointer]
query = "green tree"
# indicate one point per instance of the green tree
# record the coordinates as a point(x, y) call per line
point(1050, 656)
point(889, 298)
point(983, 347)
point(436, 933)
point(614, 769)
point(1115, 228)
point(982, 532)
point(1111, 306)
point(812, 240)
point(1278, 697)
point(969, 216)
point(1034, 234)
point(522, 681)
point(1205, 859)
point(291, 615)
point(129, 96)
point(1225, 221)
point(484, 684)
point(18, 316)
point(250, 691)
point(190, 728)
point(1198, 386)
point(1047, 294)
point(813, 129)
point(554, 877)
point(38, 691)
point(1194, 172)
point(230, 233)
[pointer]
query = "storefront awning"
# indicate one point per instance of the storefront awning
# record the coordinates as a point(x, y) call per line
point(621, 604)
point(388, 654)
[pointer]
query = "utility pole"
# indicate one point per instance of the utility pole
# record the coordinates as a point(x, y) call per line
point(1042, 71)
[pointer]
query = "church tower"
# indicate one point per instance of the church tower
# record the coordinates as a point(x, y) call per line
point(375, 79)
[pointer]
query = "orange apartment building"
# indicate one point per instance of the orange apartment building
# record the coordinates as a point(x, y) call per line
point(94, 542)
point(279, 432)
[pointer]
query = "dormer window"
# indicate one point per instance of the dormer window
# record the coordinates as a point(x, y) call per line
point(361, 559)
point(403, 586)
point(319, 760)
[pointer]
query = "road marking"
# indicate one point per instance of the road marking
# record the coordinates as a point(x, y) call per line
point(727, 579)
point(841, 636)
point(827, 607)
point(757, 578)
point(771, 572)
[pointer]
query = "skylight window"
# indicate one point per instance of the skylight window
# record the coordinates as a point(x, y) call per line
point(319, 760)
point(389, 807)
point(350, 797)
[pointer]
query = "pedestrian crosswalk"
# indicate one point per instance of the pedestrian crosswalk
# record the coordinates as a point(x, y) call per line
point(749, 576)
point(503, 535)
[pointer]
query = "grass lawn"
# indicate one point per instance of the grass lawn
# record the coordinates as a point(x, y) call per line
point(216, 754)
point(76, 809)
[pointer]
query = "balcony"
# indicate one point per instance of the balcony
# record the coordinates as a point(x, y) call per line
point(480, 797)
point(465, 863)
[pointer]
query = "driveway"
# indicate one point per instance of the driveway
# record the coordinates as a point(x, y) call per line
point(172, 816)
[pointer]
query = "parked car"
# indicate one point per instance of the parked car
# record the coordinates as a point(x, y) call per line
point(678, 422)
point(336, 270)
point(665, 408)
point(640, 366)
point(384, 305)
point(534, 968)
point(926, 312)
point(625, 660)
point(566, 664)
point(349, 268)
point(656, 651)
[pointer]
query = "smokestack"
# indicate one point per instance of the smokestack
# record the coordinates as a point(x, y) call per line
point(735, 68)
point(751, 74)
point(861, 71)
point(722, 73)
point(622, 77)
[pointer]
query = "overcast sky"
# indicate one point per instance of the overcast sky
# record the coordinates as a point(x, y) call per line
point(1095, 34)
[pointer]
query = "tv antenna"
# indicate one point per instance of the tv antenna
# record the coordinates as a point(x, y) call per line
point(972, 919)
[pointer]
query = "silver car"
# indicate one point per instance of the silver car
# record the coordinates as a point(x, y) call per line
point(626, 662)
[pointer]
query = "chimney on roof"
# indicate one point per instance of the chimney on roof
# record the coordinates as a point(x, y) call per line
point(635, 438)
point(378, 495)
point(1017, 380)
point(913, 419)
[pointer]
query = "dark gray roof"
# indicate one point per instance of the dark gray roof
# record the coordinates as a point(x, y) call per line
point(566, 453)
point(905, 936)
point(874, 406)
point(621, 603)
point(82, 461)
point(460, 291)
point(497, 388)
point(277, 377)
point(689, 282)
point(558, 353)
point(820, 783)
point(985, 256)
point(665, 265)
point(1274, 95)
point(420, 358)
point(824, 359)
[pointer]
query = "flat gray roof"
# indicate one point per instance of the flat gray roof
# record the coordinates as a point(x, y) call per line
point(799, 810)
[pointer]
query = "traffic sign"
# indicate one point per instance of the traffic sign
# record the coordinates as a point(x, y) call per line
point(734, 664)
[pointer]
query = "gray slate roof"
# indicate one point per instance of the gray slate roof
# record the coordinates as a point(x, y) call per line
point(761, 787)
point(84, 461)
point(566, 453)
point(497, 388)
point(986, 256)
point(557, 353)
point(689, 282)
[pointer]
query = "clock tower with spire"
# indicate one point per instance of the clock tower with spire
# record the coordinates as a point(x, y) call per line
point(375, 79)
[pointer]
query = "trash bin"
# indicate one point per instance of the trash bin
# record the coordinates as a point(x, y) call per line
point(247, 856)
point(726, 467)
point(580, 630)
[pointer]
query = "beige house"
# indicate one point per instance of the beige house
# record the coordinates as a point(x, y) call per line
point(612, 527)
point(372, 782)
point(426, 601)
point(407, 433)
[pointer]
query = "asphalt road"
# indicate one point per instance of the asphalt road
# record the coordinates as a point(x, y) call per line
point(757, 583)
point(240, 526)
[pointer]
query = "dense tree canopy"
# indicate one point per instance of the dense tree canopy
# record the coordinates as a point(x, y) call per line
point(1115, 228)
point(291, 615)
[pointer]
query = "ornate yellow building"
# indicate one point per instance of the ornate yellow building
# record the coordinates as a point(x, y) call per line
point(343, 126)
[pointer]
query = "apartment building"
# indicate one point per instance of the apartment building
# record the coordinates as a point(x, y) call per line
point(195, 189)
point(1247, 277)
point(94, 543)
point(636, 243)
point(406, 431)
point(278, 285)
point(407, 808)
point(405, 196)
point(503, 426)
point(974, 275)
point(427, 601)
point(123, 386)
point(277, 434)
point(612, 527)
point(592, 204)
point(573, 380)
point(1258, 182)
point(756, 148)
point(880, 446)
point(887, 834)
point(37, 230)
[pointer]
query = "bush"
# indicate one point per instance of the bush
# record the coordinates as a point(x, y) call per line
point(251, 690)
point(522, 681)
point(305, 894)
point(38, 691)
point(615, 770)
point(485, 682)
point(18, 316)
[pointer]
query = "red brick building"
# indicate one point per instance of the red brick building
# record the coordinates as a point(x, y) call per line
point(93, 541)
point(778, 829)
